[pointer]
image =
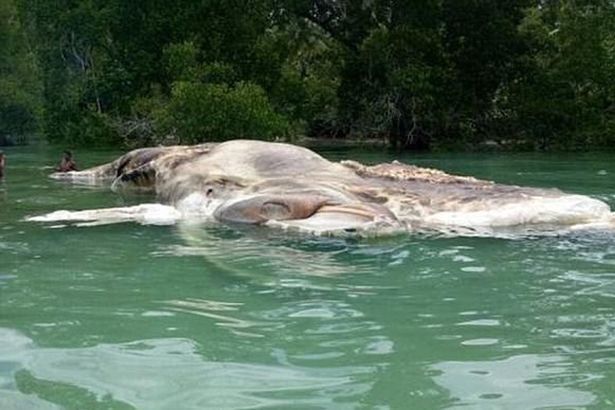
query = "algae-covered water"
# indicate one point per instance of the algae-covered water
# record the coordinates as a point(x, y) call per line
point(128, 316)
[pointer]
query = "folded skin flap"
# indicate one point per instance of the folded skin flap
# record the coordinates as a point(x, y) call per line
point(262, 208)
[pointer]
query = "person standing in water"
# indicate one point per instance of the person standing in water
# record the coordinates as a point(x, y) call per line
point(67, 163)
point(2, 164)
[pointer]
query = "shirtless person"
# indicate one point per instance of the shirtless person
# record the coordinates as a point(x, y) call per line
point(67, 163)
point(2, 163)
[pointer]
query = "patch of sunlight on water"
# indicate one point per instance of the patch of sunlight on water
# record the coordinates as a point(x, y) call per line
point(162, 373)
point(514, 383)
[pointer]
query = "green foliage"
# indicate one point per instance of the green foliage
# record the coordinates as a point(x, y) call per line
point(19, 86)
point(566, 94)
point(182, 60)
point(306, 89)
point(200, 112)
point(422, 74)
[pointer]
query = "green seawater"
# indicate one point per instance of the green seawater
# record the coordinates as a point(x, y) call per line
point(215, 317)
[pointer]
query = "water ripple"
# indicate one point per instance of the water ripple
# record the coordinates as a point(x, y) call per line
point(512, 383)
point(160, 373)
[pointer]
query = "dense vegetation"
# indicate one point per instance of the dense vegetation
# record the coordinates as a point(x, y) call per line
point(20, 88)
point(535, 74)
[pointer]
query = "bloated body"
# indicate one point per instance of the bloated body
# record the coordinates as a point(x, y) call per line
point(293, 188)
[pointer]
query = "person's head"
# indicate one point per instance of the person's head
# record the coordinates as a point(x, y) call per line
point(68, 155)
point(1, 155)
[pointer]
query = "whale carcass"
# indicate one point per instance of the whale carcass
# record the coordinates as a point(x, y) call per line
point(291, 187)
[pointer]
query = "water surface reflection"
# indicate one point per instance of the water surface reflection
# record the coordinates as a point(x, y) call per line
point(161, 373)
point(517, 382)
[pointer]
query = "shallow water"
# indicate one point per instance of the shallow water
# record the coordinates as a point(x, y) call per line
point(196, 317)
